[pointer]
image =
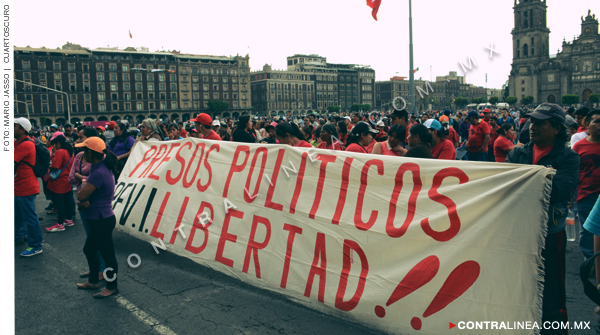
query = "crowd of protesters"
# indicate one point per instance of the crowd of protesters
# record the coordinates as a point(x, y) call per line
point(91, 159)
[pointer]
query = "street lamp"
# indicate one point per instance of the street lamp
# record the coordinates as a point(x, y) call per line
point(50, 89)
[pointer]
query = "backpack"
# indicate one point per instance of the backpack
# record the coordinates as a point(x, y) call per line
point(42, 159)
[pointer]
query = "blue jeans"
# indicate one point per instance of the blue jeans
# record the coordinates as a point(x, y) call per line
point(26, 221)
point(586, 238)
point(477, 156)
point(87, 233)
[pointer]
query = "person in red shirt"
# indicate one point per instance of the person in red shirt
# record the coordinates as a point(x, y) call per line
point(504, 142)
point(26, 190)
point(580, 116)
point(289, 133)
point(360, 137)
point(329, 137)
point(62, 161)
point(441, 147)
point(493, 136)
point(342, 130)
point(394, 145)
point(452, 134)
point(204, 127)
point(486, 115)
point(479, 136)
point(589, 178)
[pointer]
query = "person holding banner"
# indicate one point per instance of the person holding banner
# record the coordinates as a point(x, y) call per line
point(204, 126)
point(244, 131)
point(96, 197)
point(360, 137)
point(394, 145)
point(329, 137)
point(441, 147)
point(548, 136)
point(289, 133)
point(151, 131)
point(419, 140)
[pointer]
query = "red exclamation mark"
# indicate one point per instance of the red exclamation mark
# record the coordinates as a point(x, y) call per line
point(459, 281)
point(418, 276)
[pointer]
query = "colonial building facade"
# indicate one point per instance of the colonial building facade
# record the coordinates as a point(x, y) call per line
point(112, 84)
point(574, 70)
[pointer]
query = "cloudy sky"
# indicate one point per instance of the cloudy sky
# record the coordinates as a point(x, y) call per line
point(444, 32)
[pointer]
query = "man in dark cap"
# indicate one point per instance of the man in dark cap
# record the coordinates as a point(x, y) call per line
point(548, 136)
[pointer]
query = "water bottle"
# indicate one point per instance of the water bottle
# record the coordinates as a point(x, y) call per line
point(570, 226)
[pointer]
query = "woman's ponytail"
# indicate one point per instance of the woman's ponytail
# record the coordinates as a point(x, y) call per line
point(110, 160)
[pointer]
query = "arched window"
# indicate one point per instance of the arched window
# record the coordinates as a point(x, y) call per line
point(525, 50)
point(532, 46)
point(518, 48)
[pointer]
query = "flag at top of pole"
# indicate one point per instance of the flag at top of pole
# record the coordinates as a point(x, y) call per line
point(130, 36)
point(375, 5)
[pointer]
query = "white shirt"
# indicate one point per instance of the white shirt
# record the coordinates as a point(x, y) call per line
point(577, 137)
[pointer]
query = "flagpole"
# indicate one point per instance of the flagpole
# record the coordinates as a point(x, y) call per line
point(411, 72)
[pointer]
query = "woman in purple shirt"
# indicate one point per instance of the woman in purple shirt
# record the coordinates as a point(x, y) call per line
point(121, 146)
point(96, 197)
point(80, 172)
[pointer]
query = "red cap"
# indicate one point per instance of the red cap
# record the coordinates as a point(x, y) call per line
point(112, 124)
point(101, 128)
point(203, 118)
point(486, 110)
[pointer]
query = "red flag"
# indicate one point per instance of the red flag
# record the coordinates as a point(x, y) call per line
point(375, 5)
point(130, 36)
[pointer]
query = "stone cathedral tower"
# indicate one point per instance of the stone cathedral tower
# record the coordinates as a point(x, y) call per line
point(530, 47)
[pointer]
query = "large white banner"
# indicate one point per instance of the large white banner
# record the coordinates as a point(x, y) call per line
point(402, 245)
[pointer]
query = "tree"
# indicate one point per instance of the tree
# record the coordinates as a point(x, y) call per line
point(42, 121)
point(366, 107)
point(217, 106)
point(570, 99)
point(461, 102)
point(594, 99)
point(333, 109)
point(511, 100)
point(506, 93)
point(493, 100)
point(355, 107)
point(526, 100)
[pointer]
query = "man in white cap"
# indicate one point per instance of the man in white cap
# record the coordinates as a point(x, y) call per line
point(348, 122)
point(27, 188)
point(216, 124)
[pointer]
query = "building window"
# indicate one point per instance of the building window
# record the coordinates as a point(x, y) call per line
point(173, 87)
point(138, 87)
point(138, 96)
point(102, 107)
point(100, 87)
point(127, 106)
point(151, 105)
point(125, 67)
point(205, 87)
point(115, 106)
point(195, 87)
point(225, 87)
point(150, 87)
point(161, 77)
point(99, 67)
point(215, 87)
point(127, 96)
point(100, 96)
point(71, 67)
point(163, 87)
point(173, 77)
point(113, 86)
point(150, 77)
point(45, 108)
point(216, 96)
point(114, 96)
point(113, 77)
point(56, 66)
point(138, 77)
point(125, 76)
point(173, 104)
point(126, 87)
point(173, 95)
point(100, 76)
point(41, 66)
point(163, 105)
point(140, 106)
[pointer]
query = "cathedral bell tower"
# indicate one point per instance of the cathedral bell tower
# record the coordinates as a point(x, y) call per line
point(530, 34)
point(531, 38)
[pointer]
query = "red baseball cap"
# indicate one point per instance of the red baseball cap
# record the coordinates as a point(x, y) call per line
point(112, 124)
point(486, 110)
point(203, 118)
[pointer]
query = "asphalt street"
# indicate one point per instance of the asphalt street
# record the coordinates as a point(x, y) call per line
point(169, 294)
